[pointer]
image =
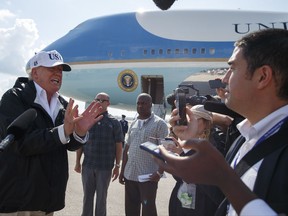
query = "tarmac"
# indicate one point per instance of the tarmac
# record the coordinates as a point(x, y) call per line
point(115, 199)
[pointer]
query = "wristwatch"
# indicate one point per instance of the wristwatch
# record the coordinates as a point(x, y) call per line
point(117, 165)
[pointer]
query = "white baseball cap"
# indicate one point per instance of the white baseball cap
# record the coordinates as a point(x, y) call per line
point(47, 59)
point(200, 112)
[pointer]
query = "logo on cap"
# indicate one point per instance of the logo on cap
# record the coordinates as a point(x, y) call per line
point(47, 59)
point(55, 56)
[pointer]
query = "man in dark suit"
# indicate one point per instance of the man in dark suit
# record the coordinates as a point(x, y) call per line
point(124, 125)
point(257, 88)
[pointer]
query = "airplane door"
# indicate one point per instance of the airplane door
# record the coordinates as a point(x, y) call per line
point(154, 85)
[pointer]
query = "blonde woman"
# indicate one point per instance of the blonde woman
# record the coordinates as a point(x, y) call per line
point(190, 199)
point(205, 121)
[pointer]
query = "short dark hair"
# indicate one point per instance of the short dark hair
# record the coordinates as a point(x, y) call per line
point(268, 47)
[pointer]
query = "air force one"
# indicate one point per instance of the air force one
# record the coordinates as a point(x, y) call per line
point(153, 52)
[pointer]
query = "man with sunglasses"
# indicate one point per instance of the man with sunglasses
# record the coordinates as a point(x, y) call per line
point(102, 156)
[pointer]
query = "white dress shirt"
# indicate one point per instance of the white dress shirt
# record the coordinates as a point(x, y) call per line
point(53, 110)
point(252, 134)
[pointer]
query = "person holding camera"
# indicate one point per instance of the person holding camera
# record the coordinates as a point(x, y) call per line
point(188, 199)
point(254, 180)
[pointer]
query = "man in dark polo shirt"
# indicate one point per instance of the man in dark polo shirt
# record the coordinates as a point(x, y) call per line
point(101, 161)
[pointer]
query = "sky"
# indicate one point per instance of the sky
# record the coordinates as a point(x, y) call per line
point(27, 26)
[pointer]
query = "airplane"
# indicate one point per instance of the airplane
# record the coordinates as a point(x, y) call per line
point(153, 52)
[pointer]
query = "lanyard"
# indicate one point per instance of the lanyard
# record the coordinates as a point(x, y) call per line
point(272, 131)
point(269, 133)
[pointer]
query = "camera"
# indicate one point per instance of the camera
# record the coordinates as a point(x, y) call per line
point(180, 98)
point(183, 97)
point(196, 100)
point(192, 98)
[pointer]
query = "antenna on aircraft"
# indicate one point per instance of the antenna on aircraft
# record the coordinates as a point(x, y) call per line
point(164, 4)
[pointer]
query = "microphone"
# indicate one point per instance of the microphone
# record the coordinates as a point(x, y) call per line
point(164, 4)
point(18, 127)
point(220, 108)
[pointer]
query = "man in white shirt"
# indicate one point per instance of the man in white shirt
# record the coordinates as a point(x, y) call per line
point(136, 162)
point(257, 88)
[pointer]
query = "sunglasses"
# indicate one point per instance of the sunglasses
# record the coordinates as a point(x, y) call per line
point(100, 100)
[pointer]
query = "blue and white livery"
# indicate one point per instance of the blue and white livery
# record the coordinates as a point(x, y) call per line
point(153, 52)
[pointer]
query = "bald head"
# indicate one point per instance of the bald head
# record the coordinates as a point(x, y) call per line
point(144, 105)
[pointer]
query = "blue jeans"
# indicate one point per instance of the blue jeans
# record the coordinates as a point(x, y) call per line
point(98, 181)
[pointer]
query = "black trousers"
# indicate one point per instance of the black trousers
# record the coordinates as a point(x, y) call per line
point(140, 194)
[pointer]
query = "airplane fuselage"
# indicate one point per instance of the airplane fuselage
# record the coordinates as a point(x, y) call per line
point(153, 52)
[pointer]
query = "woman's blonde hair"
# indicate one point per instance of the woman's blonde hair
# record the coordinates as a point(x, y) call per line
point(200, 112)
